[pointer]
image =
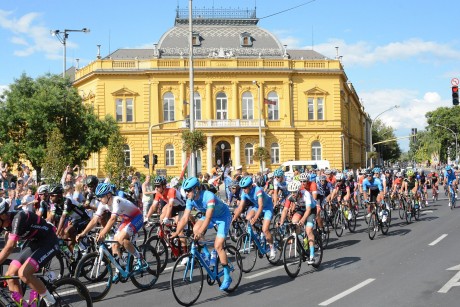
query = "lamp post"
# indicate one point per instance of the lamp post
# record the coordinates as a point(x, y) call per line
point(62, 37)
point(456, 140)
point(343, 151)
point(261, 141)
point(372, 123)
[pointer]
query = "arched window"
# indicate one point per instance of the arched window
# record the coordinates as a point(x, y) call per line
point(249, 153)
point(221, 106)
point(316, 150)
point(168, 107)
point(127, 152)
point(169, 154)
point(197, 100)
point(273, 109)
point(275, 153)
point(248, 106)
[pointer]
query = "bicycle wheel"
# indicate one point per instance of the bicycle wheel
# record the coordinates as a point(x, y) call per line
point(372, 227)
point(278, 247)
point(385, 226)
point(339, 223)
point(292, 253)
point(248, 251)
point(55, 267)
point(145, 278)
point(97, 277)
point(318, 250)
point(187, 280)
point(161, 248)
point(236, 230)
point(235, 265)
point(69, 291)
point(352, 222)
point(408, 212)
point(324, 236)
point(153, 230)
point(402, 209)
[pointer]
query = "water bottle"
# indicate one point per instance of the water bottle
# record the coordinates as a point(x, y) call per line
point(66, 250)
point(76, 248)
point(305, 243)
point(124, 258)
point(205, 258)
point(346, 214)
point(212, 262)
point(50, 276)
point(262, 239)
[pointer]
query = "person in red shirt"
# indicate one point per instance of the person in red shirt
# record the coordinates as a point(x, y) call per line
point(170, 200)
point(309, 183)
point(330, 177)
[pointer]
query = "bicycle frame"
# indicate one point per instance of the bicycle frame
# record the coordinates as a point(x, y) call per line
point(212, 273)
point(104, 250)
point(262, 249)
point(293, 232)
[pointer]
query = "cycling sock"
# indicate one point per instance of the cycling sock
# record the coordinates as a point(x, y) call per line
point(48, 298)
point(226, 270)
point(312, 251)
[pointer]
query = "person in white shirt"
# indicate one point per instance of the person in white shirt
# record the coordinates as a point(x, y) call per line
point(27, 201)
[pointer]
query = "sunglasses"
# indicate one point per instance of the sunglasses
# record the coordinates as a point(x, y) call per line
point(188, 190)
point(303, 181)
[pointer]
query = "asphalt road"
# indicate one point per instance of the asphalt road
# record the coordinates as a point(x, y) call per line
point(414, 265)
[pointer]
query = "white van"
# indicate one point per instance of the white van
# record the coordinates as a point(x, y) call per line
point(301, 165)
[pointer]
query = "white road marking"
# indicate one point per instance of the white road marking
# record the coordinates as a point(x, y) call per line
point(347, 292)
point(438, 240)
point(264, 272)
point(453, 282)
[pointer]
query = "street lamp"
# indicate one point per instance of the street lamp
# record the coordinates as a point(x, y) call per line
point(456, 140)
point(62, 37)
point(261, 141)
point(372, 123)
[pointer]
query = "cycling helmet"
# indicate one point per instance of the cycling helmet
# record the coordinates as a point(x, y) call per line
point(311, 177)
point(189, 183)
point(160, 180)
point(235, 184)
point(410, 173)
point(278, 172)
point(270, 175)
point(4, 206)
point(103, 189)
point(247, 181)
point(327, 172)
point(350, 174)
point(369, 173)
point(43, 189)
point(92, 181)
point(294, 186)
point(113, 188)
point(56, 189)
point(339, 176)
point(174, 182)
point(303, 177)
point(322, 177)
point(398, 174)
point(260, 181)
point(448, 168)
point(376, 170)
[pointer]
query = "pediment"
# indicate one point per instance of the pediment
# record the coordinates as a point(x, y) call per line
point(125, 92)
point(316, 91)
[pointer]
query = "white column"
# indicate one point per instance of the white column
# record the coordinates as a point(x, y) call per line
point(209, 149)
point(183, 158)
point(237, 153)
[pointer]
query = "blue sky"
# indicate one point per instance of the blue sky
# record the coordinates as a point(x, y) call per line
point(394, 52)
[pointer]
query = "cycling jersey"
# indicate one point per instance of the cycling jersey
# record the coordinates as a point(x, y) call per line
point(410, 183)
point(168, 194)
point(121, 207)
point(324, 189)
point(311, 187)
point(282, 186)
point(450, 177)
point(304, 200)
point(29, 226)
point(253, 198)
point(74, 210)
point(373, 184)
point(208, 200)
point(342, 186)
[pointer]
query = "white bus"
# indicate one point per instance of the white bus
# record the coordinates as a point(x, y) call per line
point(290, 166)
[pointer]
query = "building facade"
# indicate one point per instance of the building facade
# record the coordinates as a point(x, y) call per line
point(249, 91)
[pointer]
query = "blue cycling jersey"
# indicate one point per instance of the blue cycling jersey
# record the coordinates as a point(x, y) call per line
point(253, 198)
point(206, 201)
point(281, 186)
point(450, 177)
point(373, 184)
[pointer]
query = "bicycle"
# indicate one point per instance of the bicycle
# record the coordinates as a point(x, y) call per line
point(253, 244)
point(378, 220)
point(187, 280)
point(96, 267)
point(451, 196)
point(66, 291)
point(342, 221)
point(294, 252)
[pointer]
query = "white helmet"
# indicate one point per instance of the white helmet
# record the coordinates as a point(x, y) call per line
point(174, 182)
point(294, 186)
point(338, 176)
point(270, 175)
point(303, 177)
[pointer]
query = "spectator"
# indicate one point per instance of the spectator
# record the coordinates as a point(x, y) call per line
point(67, 177)
point(12, 200)
point(78, 193)
point(20, 189)
point(147, 195)
point(28, 201)
point(4, 180)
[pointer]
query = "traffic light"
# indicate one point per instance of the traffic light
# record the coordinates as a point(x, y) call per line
point(146, 161)
point(455, 95)
point(187, 121)
point(155, 159)
point(414, 135)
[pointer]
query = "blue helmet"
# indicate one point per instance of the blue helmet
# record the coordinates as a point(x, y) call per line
point(103, 189)
point(376, 170)
point(190, 183)
point(246, 182)
point(160, 180)
point(311, 177)
point(448, 168)
point(278, 172)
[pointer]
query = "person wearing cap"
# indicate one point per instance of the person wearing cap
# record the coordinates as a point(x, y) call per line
point(372, 190)
point(238, 172)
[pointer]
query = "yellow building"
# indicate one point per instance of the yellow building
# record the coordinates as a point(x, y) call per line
point(312, 111)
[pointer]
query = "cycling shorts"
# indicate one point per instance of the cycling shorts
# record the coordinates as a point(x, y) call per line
point(222, 222)
point(132, 226)
point(267, 213)
point(37, 253)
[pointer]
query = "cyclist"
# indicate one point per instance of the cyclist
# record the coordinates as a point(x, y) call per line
point(422, 186)
point(119, 207)
point(304, 212)
point(343, 192)
point(308, 182)
point(261, 206)
point(235, 197)
point(43, 201)
point(40, 247)
point(434, 178)
point(374, 187)
point(451, 180)
point(215, 211)
point(279, 187)
point(411, 185)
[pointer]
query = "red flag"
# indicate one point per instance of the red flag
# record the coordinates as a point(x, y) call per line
point(272, 102)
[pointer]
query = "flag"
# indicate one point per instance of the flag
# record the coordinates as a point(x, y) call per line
point(272, 102)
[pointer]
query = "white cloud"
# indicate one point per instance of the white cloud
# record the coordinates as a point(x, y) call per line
point(29, 32)
point(364, 53)
point(3, 88)
point(286, 38)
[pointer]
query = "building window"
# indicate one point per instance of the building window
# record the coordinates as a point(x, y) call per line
point(273, 109)
point(168, 107)
point(197, 100)
point(119, 109)
point(196, 41)
point(249, 154)
point(169, 155)
point(246, 39)
point(275, 153)
point(311, 110)
point(124, 110)
point(129, 110)
point(221, 106)
point(248, 106)
point(316, 150)
point(320, 106)
point(127, 153)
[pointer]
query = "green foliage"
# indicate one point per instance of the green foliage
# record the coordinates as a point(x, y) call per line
point(55, 159)
point(389, 151)
point(115, 167)
point(425, 148)
point(31, 109)
point(193, 140)
point(261, 154)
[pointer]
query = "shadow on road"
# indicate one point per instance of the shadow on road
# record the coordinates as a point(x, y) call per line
point(342, 244)
point(338, 263)
point(398, 232)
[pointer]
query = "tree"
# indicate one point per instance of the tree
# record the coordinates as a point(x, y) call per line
point(426, 146)
point(389, 151)
point(115, 166)
point(193, 141)
point(55, 160)
point(447, 118)
point(31, 109)
point(261, 154)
